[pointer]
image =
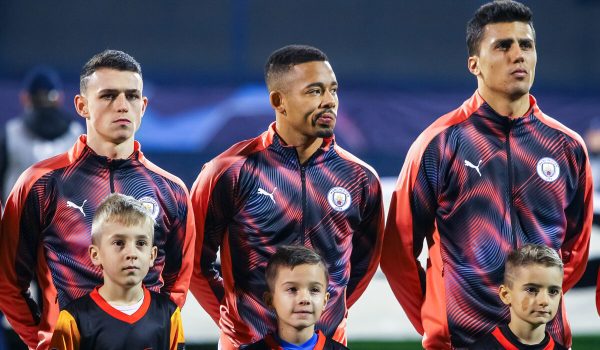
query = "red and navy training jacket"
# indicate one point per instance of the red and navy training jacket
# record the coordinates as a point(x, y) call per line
point(257, 196)
point(476, 185)
point(46, 232)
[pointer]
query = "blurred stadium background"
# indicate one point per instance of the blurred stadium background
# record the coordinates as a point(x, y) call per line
point(400, 65)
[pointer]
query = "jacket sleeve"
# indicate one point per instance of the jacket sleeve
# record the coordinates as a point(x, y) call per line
point(19, 244)
point(410, 220)
point(179, 250)
point(580, 213)
point(212, 203)
point(176, 338)
point(66, 334)
point(366, 241)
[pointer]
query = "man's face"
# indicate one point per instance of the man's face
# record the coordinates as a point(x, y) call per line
point(534, 296)
point(299, 296)
point(124, 252)
point(113, 105)
point(309, 98)
point(505, 65)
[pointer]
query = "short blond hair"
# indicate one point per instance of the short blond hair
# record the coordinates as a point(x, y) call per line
point(530, 254)
point(123, 209)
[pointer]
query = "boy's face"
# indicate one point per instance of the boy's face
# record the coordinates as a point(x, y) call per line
point(299, 295)
point(125, 253)
point(535, 294)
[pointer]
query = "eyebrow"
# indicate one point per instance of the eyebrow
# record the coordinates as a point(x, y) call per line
point(539, 285)
point(319, 84)
point(120, 235)
point(117, 91)
point(510, 41)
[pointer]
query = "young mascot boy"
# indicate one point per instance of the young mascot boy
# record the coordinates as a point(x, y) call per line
point(121, 313)
point(297, 279)
point(532, 290)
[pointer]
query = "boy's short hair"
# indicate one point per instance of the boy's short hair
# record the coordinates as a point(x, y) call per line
point(123, 209)
point(530, 254)
point(291, 256)
point(500, 11)
point(112, 59)
point(282, 60)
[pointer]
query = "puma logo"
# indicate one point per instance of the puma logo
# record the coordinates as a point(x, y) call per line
point(265, 193)
point(80, 208)
point(470, 165)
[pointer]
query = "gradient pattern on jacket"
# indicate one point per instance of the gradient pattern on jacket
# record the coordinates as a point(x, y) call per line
point(255, 197)
point(476, 185)
point(46, 231)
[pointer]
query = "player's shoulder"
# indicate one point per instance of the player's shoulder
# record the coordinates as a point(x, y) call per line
point(346, 155)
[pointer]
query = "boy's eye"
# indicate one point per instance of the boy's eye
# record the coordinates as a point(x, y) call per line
point(531, 290)
point(315, 290)
point(142, 243)
point(108, 97)
point(133, 97)
point(554, 292)
point(292, 289)
point(118, 243)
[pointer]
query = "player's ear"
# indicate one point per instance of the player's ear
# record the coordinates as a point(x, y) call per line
point(95, 255)
point(473, 65)
point(153, 254)
point(277, 101)
point(144, 104)
point(268, 299)
point(505, 294)
point(81, 106)
point(325, 300)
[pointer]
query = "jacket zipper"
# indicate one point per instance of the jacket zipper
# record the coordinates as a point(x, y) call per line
point(111, 169)
point(303, 179)
point(510, 185)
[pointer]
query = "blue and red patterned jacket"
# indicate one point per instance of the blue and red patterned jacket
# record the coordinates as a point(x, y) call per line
point(476, 185)
point(257, 196)
point(46, 232)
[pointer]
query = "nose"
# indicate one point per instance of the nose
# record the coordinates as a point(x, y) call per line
point(517, 54)
point(543, 299)
point(121, 103)
point(304, 298)
point(329, 100)
point(130, 252)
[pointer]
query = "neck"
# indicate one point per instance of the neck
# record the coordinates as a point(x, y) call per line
point(294, 335)
point(305, 146)
point(506, 105)
point(120, 295)
point(109, 149)
point(527, 333)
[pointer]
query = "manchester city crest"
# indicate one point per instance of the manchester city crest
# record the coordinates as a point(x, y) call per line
point(150, 204)
point(548, 169)
point(339, 198)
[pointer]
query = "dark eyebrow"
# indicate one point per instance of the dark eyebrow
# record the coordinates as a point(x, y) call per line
point(525, 41)
point(117, 91)
point(319, 84)
point(504, 42)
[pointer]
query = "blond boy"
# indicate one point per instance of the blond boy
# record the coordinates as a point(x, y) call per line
point(121, 313)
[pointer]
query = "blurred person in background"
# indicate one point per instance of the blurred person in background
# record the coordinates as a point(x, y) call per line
point(44, 129)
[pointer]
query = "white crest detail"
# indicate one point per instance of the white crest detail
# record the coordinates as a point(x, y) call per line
point(339, 198)
point(151, 205)
point(471, 165)
point(75, 206)
point(265, 193)
point(548, 169)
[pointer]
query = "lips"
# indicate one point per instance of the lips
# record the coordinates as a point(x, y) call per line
point(327, 117)
point(127, 268)
point(122, 121)
point(519, 73)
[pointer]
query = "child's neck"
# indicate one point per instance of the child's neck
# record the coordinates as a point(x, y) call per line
point(120, 295)
point(526, 333)
point(296, 336)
